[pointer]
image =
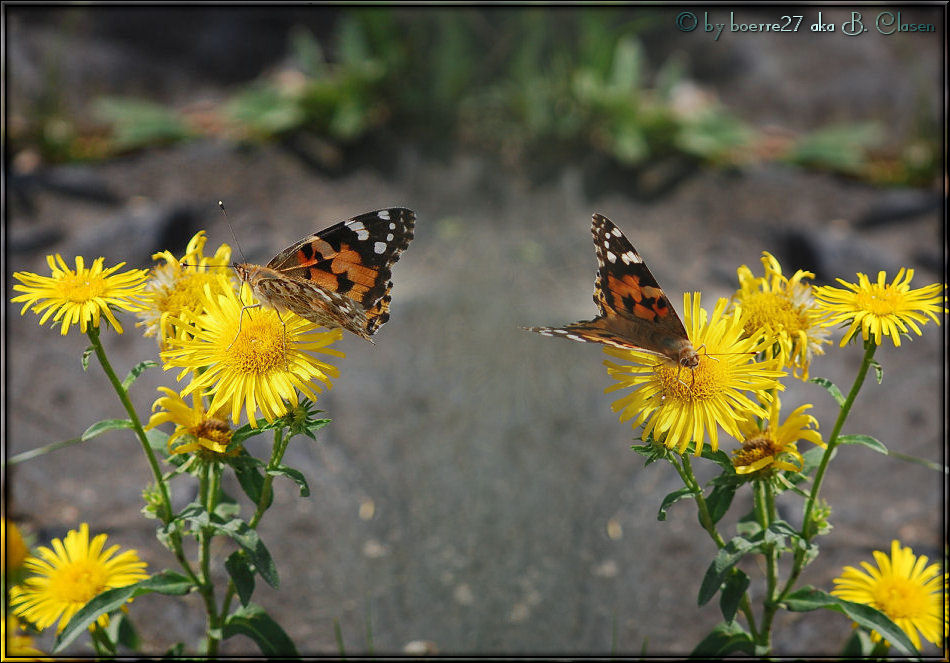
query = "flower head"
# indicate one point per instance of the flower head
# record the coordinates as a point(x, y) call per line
point(882, 308)
point(17, 644)
point(686, 406)
point(773, 447)
point(79, 296)
point(782, 308)
point(176, 286)
point(904, 588)
point(14, 548)
point(251, 357)
point(195, 429)
point(70, 575)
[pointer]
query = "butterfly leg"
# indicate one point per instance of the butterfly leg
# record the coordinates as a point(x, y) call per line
point(241, 322)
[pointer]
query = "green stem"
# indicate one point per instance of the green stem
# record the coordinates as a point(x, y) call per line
point(120, 390)
point(208, 492)
point(689, 480)
point(765, 509)
point(869, 348)
point(93, 333)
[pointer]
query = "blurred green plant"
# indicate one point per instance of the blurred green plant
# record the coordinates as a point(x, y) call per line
point(527, 85)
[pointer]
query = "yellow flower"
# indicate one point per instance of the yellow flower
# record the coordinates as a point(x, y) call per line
point(70, 575)
point(686, 404)
point(79, 296)
point(904, 588)
point(14, 549)
point(175, 287)
point(195, 429)
point(782, 308)
point(882, 308)
point(251, 357)
point(773, 447)
point(16, 644)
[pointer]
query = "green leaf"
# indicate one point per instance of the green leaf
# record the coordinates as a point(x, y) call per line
point(831, 388)
point(736, 584)
point(808, 598)
point(122, 632)
point(307, 52)
point(252, 621)
point(241, 574)
point(720, 499)
point(136, 371)
point(721, 565)
point(136, 123)
point(865, 440)
point(85, 356)
point(812, 459)
point(249, 476)
point(748, 527)
point(878, 370)
point(295, 475)
point(105, 425)
point(859, 645)
point(725, 638)
point(250, 542)
point(720, 458)
point(114, 599)
point(671, 499)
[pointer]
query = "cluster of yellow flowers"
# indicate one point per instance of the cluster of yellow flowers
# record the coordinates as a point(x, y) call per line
point(259, 362)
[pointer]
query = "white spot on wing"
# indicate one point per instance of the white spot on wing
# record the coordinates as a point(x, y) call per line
point(379, 247)
point(633, 257)
point(390, 237)
point(392, 226)
point(615, 232)
point(612, 257)
point(357, 226)
point(383, 214)
point(625, 257)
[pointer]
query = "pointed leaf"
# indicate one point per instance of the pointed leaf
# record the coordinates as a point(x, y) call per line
point(671, 499)
point(256, 624)
point(831, 389)
point(241, 574)
point(726, 638)
point(732, 592)
point(105, 425)
point(865, 440)
point(114, 599)
point(878, 370)
point(136, 371)
point(295, 475)
point(251, 543)
point(721, 565)
point(809, 598)
point(720, 499)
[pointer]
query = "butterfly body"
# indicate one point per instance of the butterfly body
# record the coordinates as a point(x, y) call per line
point(340, 276)
point(635, 313)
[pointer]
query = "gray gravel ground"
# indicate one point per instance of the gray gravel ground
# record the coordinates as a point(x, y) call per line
point(491, 455)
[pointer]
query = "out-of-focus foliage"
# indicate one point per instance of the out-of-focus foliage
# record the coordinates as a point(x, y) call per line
point(528, 85)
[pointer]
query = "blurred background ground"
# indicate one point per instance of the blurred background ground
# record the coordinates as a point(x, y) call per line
point(508, 514)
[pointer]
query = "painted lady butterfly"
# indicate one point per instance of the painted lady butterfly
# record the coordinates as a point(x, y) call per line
point(338, 277)
point(634, 311)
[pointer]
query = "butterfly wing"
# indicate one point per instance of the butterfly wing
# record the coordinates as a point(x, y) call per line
point(353, 258)
point(635, 313)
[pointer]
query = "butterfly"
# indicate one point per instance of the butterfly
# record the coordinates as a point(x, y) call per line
point(635, 313)
point(340, 276)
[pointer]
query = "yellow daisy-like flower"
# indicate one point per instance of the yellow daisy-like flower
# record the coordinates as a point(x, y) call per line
point(904, 588)
point(70, 575)
point(251, 358)
point(195, 429)
point(14, 548)
point(774, 447)
point(881, 308)
point(79, 296)
point(16, 644)
point(176, 287)
point(782, 308)
point(687, 404)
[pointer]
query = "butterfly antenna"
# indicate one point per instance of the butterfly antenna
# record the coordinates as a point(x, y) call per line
point(228, 220)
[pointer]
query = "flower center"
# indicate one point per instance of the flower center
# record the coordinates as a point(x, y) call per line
point(879, 300)
point(900, 598)
point(185, 292)
point(772, 311)
point(755, 448)
point(703, 382)
point(79, 288)
point(78, 582)
point(260, 346)
point(213, 429)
